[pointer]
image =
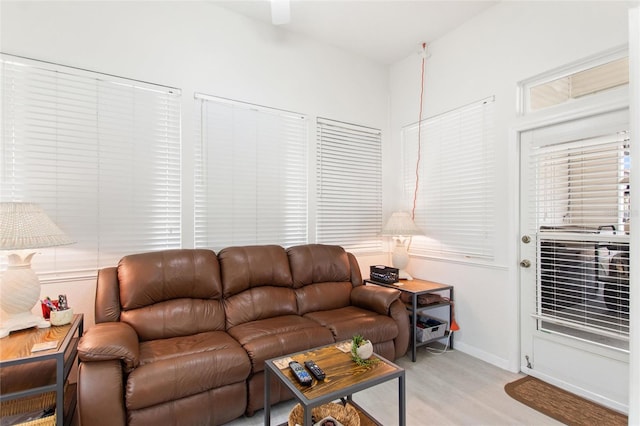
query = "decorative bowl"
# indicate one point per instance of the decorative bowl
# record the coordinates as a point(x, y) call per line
point(345, 414)
point(61, 317)
point(365, 351)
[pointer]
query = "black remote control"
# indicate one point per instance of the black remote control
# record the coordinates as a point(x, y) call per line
point(315, 370)
point(301, 374)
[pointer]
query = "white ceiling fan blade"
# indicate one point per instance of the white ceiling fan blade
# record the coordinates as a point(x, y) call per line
point(280, 12)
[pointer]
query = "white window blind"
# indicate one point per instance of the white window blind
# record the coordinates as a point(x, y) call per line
point(580, 211)
point(100, 154)
point(349, 186)
point(455, 201)
point(250, 175)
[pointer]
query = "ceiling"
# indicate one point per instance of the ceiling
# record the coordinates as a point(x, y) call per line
point(384, 31)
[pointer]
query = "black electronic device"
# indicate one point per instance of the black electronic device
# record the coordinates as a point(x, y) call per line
point(383, 274)
point(301, 373)
point(315, 370)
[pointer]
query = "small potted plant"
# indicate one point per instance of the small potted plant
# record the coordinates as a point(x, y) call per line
point(361, 350)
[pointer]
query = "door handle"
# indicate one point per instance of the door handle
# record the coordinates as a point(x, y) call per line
point(525, 263)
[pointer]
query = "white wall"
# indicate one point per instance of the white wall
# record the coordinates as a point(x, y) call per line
point(487, 56)
point(197, 47)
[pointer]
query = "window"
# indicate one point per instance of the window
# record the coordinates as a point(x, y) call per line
point(580, 209)
point(456, 181)
point(100, 154)
point(250, 175)
point(594, 75)
point(349, 188)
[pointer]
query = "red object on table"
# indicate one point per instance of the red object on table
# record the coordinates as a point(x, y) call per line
point(46, 311)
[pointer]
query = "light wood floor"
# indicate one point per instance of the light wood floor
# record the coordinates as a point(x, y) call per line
point(448, 389)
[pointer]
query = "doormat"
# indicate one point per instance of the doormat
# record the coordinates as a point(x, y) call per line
point(561, 405)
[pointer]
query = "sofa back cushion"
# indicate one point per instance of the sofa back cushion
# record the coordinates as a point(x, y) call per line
point(171, 293)
point(321, 276)
point(256, 283)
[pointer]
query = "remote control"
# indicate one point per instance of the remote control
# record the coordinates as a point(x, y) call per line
point(315, 370)
point(301, 374)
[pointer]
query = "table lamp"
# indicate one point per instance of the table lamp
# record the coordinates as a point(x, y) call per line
point(23, 228)
point(401, 227)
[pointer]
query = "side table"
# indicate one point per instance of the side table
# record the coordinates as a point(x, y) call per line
point(15, 350)
point(415, 288)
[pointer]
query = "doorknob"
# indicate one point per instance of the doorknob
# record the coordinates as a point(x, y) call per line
point(525, 263)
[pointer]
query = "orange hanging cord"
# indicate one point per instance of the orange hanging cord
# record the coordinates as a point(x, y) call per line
point(454, 325)
point(415, 191)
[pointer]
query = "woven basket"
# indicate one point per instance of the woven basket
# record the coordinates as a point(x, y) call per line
point(30, 404)
point(345, 414)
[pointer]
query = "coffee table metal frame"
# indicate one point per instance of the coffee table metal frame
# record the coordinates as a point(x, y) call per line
point(347, 392)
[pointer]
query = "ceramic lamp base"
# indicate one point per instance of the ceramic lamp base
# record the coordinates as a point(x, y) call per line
point(404, 275)
point(19, 293)
point(22, 321)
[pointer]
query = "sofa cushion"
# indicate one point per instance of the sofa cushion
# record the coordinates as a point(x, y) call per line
point(323, 296)
point(317, 263)
point(346, 322)
point(171, 293)
point(149, 278)
point(174, 368)
point(272, 337)
point(253, 266)
point(173, 318)
point(259, 303)
point(256, 282)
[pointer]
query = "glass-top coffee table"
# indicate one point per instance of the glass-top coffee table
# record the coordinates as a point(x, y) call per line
point(343, 378)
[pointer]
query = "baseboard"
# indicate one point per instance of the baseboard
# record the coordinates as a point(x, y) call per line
point(502, 363)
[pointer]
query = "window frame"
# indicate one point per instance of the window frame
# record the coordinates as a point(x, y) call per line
point(524, 86)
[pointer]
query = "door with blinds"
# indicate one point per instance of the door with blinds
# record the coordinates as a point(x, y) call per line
point(575, 255)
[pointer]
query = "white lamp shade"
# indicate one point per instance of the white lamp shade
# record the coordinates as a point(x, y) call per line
point(27, 226)
point(401, 224)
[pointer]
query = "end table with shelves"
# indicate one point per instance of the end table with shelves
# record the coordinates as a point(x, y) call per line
point(415, 288)
point(15, 351)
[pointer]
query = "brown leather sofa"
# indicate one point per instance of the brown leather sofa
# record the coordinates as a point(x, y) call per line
point(181, 336)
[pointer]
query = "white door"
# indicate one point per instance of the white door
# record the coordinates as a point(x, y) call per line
point(574, 253)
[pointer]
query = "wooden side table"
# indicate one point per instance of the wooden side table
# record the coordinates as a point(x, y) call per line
point(415, 288)
point(15, 350)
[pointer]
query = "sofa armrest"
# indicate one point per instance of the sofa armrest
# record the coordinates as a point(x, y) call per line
point(374, 298)
point(110, 341)
point(399, 313)
point(100, 393)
